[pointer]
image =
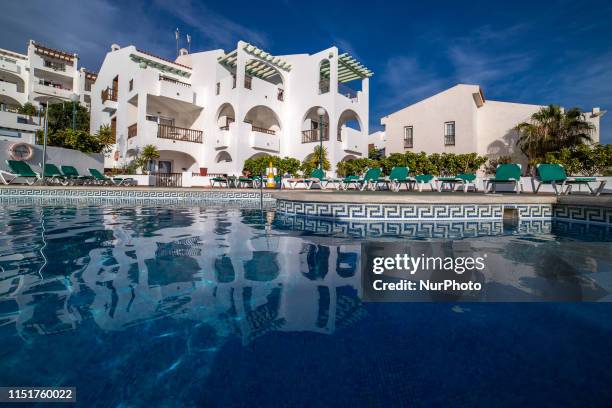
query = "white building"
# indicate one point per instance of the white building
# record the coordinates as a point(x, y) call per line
point(42, 74)
point(461, 120)
point(215, 109)
point(377, 140)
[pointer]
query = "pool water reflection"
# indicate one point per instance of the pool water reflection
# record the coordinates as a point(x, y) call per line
point(233, 306)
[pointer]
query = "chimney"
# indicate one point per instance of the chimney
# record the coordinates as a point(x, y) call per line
point(115, 47)
point(183, 51)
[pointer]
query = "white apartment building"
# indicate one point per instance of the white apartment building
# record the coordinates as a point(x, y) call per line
point(43, 74)
point(377, 140)
point(215, 109)
point(461, 120)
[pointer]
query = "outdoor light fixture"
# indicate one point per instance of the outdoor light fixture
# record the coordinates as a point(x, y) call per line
point(321, 113)
point(74, 98)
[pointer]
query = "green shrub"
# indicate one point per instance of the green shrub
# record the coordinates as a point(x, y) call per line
point(587, 160)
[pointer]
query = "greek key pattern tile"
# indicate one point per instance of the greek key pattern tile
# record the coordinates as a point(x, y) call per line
point(591, 215)
point(409, 211)
point(128, 194)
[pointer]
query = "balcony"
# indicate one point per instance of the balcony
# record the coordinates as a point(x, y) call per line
point(313, 135)
point(353, 141)
point(53, 90)
point(171, 88)
point(179, 133)
point(267, 140)
point(10, 89)
point(109, 100)
point(12, 120)
point(222, 139)
point(132, 131)
point(9, 65)
point(347, 92)
point(55, 66)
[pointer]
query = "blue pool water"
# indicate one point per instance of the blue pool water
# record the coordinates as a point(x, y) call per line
point(229, 306)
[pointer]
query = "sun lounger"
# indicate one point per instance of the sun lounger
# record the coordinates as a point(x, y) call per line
point(220, 180)
point(509, 173)
point(114, 181)
point(369, 180)
point(464, 180)
point(18, 170)
point(397, 177)
point(423, 179)
point(555, 175)
point(317, 176)
point(54, 175)
point(71, 173)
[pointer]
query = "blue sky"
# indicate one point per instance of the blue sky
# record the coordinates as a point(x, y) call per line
point(531, 52)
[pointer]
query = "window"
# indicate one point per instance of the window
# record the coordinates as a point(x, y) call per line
point(218, 91)
point(408, 137)
point(449, 133)
point(131, 84)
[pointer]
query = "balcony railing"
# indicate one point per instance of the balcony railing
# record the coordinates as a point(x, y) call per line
point(179, 133)
point(323, 86)
point(56, 66)
point(408, 143)
point(248, 82)
point(263, 130)
point(132, 130)
point(174, 81)
point(168, 179)
point(314, 135)
point(449, 140)
point(109, 94)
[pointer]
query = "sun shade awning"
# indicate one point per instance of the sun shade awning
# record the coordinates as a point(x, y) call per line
point(264, 67)
point(349, 69)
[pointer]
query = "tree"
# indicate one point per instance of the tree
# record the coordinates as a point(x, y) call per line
point(312, 161)
point(60, 117)
point(584, 160)
point(73, 139)
point(148, 154)
point(550, 130)
point(28, 109)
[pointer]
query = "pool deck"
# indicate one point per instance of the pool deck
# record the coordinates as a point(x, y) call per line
point(334, 196)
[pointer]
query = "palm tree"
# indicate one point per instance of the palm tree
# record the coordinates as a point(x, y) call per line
point(551, 129)
point(149, 153)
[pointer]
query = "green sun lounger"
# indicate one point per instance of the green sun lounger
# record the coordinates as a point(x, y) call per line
point(397, 177)
point(71, 173)
point(115, 181)
point(423, 179)
point(54, 175)
point(369, 180)
point(221, 181)
point(555, 175)
point(18, 170)
point(317, 176)
point(464, 180)
point(509, 173)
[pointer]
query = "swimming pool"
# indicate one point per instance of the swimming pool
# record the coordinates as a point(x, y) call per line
point(232, 306)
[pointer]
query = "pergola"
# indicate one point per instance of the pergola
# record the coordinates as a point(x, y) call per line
point(264, 67)
point(349, 69)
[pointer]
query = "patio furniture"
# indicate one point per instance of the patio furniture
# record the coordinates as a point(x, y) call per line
point(397, 177)
point(220, 180)
point(18, 170)
point(555, 175)
point(54, 174)
point(464, 180)
point(317, 176)
point(509, 173)
point(369, 180)
point(113, 181)
point(71, 173)
point(421, 180)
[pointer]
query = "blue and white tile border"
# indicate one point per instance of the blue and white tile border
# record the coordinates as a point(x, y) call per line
point(410, 212)
point(133, 194)
point(590, 214)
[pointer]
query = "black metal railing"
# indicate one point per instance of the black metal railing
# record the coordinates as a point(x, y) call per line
point(179, 133)
point(228, 121)
point(168, 179)
point(314, 135)
point(449, 140)
point(263, 130)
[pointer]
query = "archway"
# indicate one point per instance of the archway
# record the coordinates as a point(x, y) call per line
point(349, 119)
point(311, 126)
point(172, 161)
point(263, 119)
point(225, 116)
point(349, 157)
point(223, 157)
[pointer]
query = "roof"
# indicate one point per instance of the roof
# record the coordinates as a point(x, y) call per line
point(163, 64)
point(349, 69)
point(263, 68)
point(13, 54)
point(90, 75)
point(51, 52)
